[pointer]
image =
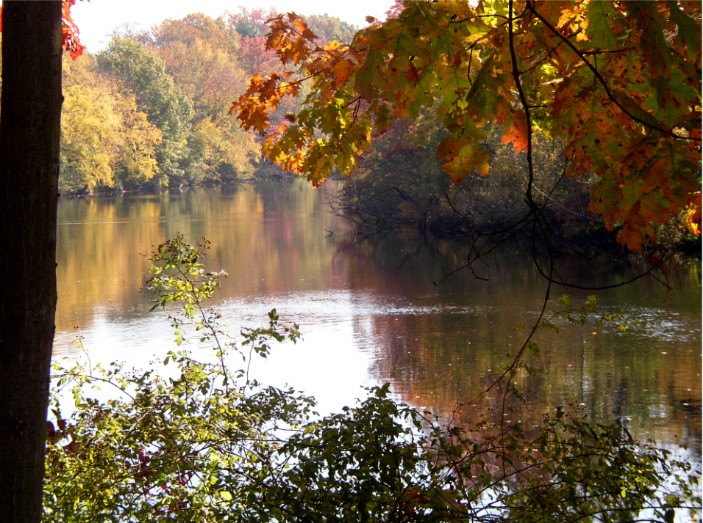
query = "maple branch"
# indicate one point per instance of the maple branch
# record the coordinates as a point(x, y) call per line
point(475, 251)
point(526, 107)
point(536, 64)
point(469, 50)
point(474, 44)
point(356, 100)
point(479, 16)
point(648, 272)
point(518, 356)
point(599, 77)
point(596, 52)
point(538, 222)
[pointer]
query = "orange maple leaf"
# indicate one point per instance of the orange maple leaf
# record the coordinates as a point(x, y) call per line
point(516, 135)
point(515, 128)
point(342, 70)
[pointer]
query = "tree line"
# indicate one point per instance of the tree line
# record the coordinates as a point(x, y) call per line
point(150, 111)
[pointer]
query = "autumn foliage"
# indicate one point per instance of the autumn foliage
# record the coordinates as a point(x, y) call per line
point(69, 30)
point(617, 83)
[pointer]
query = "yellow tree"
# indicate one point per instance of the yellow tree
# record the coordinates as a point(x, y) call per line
point(105, 140)
point(138, 142)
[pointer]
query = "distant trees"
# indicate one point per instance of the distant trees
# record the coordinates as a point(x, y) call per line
point(131, 63)
point(399, 183)
point(151, 110)
point(202, 56)
point(106, 140)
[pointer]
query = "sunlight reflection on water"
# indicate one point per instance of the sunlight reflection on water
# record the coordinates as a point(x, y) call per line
point(370, 313)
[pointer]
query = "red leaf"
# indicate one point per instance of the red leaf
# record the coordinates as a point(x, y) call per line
point(69, 31)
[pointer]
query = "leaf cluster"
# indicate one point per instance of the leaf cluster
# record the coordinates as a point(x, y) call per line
point(579, 71)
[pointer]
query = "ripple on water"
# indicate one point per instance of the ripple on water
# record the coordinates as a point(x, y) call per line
point(657, 323)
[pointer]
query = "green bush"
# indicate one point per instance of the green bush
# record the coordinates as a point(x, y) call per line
point(194, 440)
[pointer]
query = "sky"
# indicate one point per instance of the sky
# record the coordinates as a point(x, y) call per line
point(97, 19)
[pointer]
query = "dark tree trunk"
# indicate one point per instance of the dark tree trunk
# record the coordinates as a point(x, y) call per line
point(29, 165)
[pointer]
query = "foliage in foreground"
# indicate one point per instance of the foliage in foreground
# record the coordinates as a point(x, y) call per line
point(616, 82)
point(198, 440)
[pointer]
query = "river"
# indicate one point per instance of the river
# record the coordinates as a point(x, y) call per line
point(373, 312)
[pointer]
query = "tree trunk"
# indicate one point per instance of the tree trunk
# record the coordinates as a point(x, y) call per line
point(29, 165)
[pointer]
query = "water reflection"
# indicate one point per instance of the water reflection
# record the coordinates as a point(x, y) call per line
point(370, 312)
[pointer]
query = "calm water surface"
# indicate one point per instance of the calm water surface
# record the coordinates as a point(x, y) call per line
point(371, 312)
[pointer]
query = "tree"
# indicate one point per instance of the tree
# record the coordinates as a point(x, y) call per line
point(29, 169)
point(200, 54)
point(400, 183)
point(165, 104)
point(30, 112)
point(329, 28)
point(105, 140)
point(579, 71)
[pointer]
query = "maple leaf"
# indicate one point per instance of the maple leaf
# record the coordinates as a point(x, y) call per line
point(652, 40)
point(342, 69)
point(462, 158)
point(515, 128)
point(688, 31)
point(632, 235)
point(601, 17)
point(290, 38)
point(253, 116)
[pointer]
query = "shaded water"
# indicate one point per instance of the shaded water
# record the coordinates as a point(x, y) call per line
point(371, 313)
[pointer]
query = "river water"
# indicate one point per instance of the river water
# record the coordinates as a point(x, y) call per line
point(373, 312)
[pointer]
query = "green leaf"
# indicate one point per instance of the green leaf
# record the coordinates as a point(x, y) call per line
point(601, 18)
point(689, 31)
